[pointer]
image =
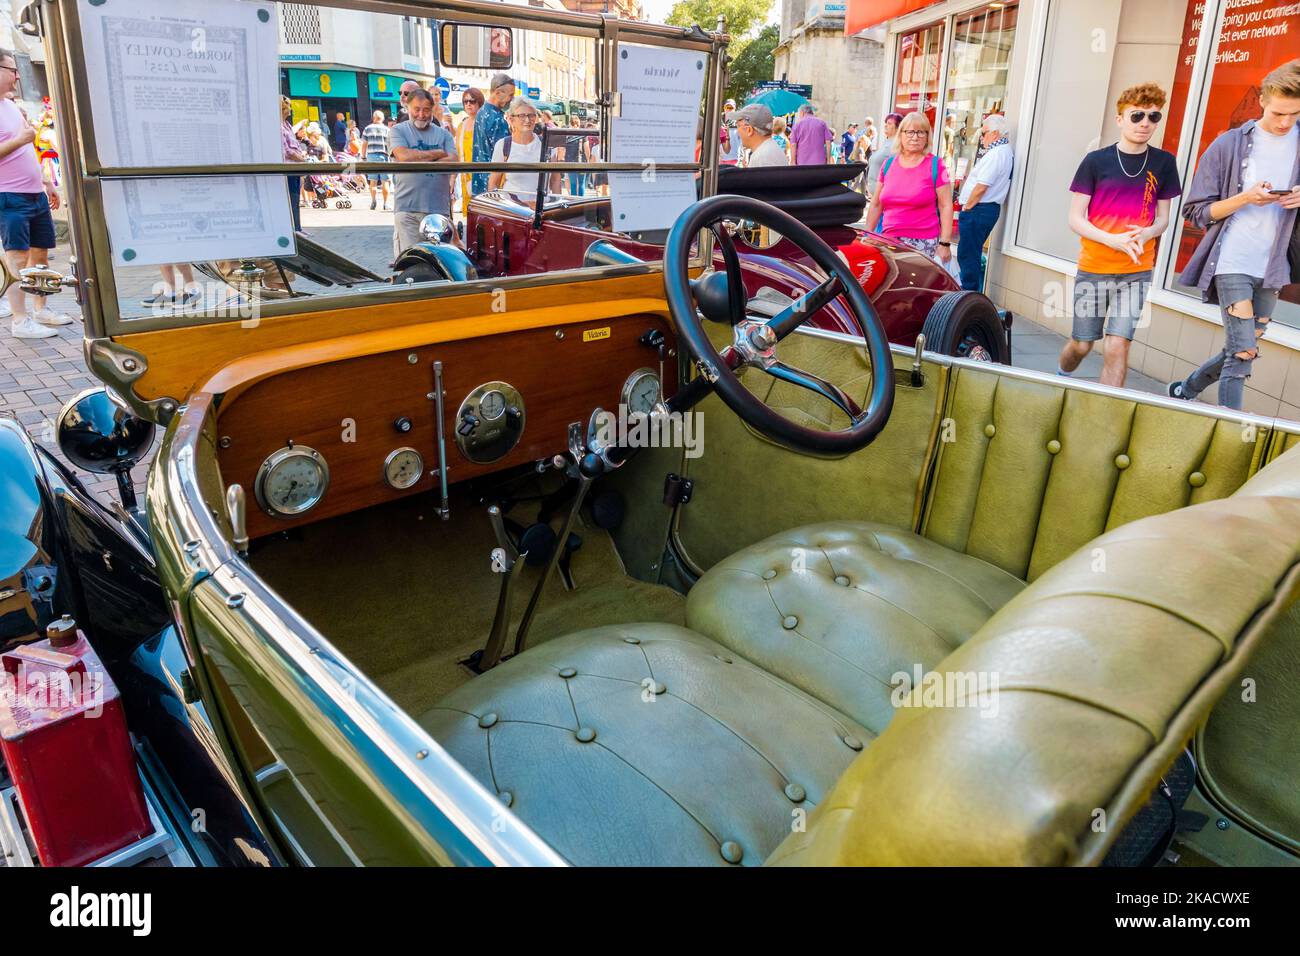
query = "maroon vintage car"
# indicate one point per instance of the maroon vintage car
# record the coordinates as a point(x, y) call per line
point(506, 234)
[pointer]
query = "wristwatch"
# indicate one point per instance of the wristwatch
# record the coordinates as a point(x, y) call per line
point(948, 244)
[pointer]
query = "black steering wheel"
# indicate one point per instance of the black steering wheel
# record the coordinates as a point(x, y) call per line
point(721, 297)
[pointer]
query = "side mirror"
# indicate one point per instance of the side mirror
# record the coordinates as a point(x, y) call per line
point(476, 46)
point(98, 434)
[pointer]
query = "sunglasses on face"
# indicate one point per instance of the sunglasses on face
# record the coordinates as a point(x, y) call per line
point(1138, 116)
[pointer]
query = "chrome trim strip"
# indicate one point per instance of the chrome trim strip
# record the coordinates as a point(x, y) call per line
point(315, 169)
point(464, 802)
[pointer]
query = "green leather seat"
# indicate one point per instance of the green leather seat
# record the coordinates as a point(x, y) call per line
point(837, 609)
point(647, 745)
point(705, 745)
point(737, 740)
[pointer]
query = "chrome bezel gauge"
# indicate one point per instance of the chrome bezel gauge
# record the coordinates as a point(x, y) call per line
point(273, 463)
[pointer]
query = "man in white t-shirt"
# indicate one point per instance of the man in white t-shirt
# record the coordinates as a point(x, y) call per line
point(523, 145)
point(754, 127)
point(981, 199)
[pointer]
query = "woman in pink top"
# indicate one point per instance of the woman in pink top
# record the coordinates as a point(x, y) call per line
point(915, 194)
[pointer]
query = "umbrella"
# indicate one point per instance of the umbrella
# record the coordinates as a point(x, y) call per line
point(779, 101)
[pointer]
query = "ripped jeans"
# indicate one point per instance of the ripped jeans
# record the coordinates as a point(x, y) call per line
point(1242, 326)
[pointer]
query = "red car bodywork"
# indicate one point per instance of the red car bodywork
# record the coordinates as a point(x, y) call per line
point(902, 283)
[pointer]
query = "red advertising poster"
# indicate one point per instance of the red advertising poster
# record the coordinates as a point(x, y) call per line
point(1257, 36)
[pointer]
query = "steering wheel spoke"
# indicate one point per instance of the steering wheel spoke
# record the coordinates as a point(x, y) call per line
point(753, 341)
point(815, 383)
point(805, 307)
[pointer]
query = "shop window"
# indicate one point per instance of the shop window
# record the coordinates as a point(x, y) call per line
point(977, 82)
point(1252, 42)
point(1091, 53)
point(920, 56)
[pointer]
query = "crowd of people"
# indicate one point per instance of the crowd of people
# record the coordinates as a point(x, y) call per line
point(1244, 198)
point(493, 125)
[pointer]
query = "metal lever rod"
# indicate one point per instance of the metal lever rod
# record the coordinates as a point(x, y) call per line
point(584, 483)
point(444, 511)
point(499, 529)
point(496, 641)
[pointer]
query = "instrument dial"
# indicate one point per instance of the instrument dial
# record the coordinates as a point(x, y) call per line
point(403, 468)
point(291, 481)
point(492, 405)
point(641, 391)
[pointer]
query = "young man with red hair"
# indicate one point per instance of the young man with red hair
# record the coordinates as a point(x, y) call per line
point(1119, 206)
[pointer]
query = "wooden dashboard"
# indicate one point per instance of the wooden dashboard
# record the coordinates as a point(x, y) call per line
point(349, 410)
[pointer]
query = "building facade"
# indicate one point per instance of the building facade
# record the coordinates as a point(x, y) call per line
point(354, 62)
point(844, 72)
point(1055, 68)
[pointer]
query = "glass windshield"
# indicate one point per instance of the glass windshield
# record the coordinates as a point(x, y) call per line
point(379, 98)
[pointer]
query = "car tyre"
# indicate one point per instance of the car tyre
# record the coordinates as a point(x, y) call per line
point(967, 325)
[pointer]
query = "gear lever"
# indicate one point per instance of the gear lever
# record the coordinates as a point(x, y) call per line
point(590, 461)
point(506, 561)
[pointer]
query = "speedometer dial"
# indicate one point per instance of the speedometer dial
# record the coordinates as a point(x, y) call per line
point(641, 391)
point(291, 481)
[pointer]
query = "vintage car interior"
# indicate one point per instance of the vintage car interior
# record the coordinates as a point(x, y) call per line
point(657, 658)
point(621, 566)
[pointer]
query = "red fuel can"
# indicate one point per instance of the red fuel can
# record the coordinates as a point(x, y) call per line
point(63, 736)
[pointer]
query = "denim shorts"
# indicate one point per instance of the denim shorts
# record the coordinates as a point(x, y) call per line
point(1114, 300)
point(25, 221)
point(1239, 334)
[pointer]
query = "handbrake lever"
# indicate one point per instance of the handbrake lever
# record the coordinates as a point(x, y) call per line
point(506, 561)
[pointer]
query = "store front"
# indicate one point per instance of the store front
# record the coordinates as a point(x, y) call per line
point(384, 94)
point(1055, 68)
point(962, 61)
point(314, 94)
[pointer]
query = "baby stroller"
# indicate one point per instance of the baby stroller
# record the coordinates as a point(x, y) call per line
point(334, 187)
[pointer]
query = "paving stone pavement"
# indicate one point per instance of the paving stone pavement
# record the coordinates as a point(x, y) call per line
point(38, 376)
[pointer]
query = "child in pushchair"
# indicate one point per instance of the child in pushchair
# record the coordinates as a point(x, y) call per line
point(335, 187)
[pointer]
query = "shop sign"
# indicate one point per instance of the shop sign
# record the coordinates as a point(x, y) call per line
point(385, 86)
point(336, 83)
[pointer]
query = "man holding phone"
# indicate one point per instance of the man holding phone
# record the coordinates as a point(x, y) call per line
point(1241, 261)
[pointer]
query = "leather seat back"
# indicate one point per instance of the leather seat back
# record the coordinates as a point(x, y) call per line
point(1028, 472)
point(1104, 667)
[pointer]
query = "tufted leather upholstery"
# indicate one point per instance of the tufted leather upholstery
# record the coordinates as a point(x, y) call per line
point(1102, 670)
point(647, 744)
point(838, 608)
point(1106, 665)
point(1031, 472)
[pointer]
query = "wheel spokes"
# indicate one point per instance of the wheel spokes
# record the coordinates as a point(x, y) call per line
point(814, 383)
point(805, 307)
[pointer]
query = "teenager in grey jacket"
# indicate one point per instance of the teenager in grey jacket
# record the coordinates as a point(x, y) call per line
point(1245, 195)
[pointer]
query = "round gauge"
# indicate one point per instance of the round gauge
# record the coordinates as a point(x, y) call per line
point(641, 391)
point(291, 481)
point(492, 405)
point(403, 468)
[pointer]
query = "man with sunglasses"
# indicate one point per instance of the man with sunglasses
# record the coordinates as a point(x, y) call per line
point(1119, 205)
point(26, 227)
